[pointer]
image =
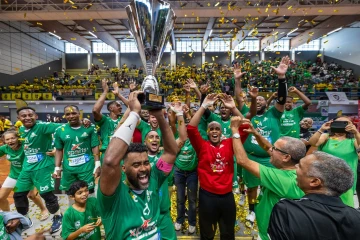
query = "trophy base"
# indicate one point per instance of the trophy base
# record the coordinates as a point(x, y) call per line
point(150, 101)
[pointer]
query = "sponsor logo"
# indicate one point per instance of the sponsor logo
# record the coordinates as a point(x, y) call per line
point(75, 146)
point(84, 135)
point(67, 136)
point(44, 188)
point(146, 229)
point(77, 224)
point(33, 135)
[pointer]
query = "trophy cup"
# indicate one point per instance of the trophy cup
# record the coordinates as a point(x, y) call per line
point(151, 23)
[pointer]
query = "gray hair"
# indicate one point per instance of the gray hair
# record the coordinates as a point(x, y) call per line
point(214, 123)
point(334, 172)
point(295, 147)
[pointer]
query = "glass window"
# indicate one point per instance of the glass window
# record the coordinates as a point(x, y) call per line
point(280, 45)
point(311, 46)
point(218, 46)
point(128, 47)
point(72, 48)
point(188, 46)
point(100, 47)
point(248, 46)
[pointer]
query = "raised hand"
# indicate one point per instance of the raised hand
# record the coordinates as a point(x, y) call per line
point(134, 103)
point(292, 89)
point(186, 88)
point(326, 126)
point(191, 83)
point(132, 86)
point(227, 100)
point(253, 91)
point(237, 72)
point(104, 86)
point(205, 88)
point(351, 128)
point(210, 99)
point(116, 89)
point(282, 68)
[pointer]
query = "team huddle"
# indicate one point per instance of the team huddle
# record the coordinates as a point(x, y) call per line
point(209, 157)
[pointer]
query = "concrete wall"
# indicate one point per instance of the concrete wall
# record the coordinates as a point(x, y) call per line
point(23, 48)
point(252, 56)
point(76, 61)
point(130, 58)
point(107, 58)
point(219, 57)
point(273, 55)
point(306, 55)
point(183, 59)
point(46, 69)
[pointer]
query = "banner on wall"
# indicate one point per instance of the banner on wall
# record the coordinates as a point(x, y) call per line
point(337, 98)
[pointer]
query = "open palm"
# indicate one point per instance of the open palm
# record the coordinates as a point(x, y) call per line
point(237, 72)
point(283, 67)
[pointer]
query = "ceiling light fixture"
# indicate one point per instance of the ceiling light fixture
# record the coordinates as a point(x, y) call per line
point(55, 35)
point(93, 34)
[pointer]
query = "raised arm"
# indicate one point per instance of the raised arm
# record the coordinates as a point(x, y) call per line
point(187, 90)
point(320, 137)
point(282, 89)
point(117, 93)
point(306, 100)
point(271, 98)
point(229, 103)
point(239, 151)
point(209, 100)
point(100, 102)
point(170, 146)
point(238, 90)
point(179, 110)
point(193, 85)
point(253, 92)
point(111, 172)
point(263, 143)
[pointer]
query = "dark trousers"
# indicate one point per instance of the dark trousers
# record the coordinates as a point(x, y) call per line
point(214, 209)
point(183, 180)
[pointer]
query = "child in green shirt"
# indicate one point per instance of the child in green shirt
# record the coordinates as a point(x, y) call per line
point(81, 220)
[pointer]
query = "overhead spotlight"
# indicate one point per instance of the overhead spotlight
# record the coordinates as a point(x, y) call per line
point(93, 34)
point(338, 29)
point(55, 35)
point(294, 30)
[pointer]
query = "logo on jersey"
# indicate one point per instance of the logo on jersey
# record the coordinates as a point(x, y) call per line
point(146, 229)
point(219, 165)
point(84, 135)
point(75, 146)
point(44, 188)
point(33, 135)
point(76, 139)
point(67, 136)
point(77, 224)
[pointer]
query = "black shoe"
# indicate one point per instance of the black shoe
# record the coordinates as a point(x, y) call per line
point(57, 223)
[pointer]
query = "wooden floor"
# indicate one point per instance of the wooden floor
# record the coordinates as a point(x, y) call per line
point(4, 171)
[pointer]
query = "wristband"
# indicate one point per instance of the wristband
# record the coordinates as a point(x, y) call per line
point(164, 166)
point(57, 169)
point(180, 114)
point(205, 105)
point(320, 132)
point(97, 165)
point(126, 130)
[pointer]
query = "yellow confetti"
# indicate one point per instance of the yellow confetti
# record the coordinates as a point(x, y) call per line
point(326, 41)
point(90, 19)
point(277, 53)
point(190, 54)
point(94, 29)
point(24, 15)
point(213, 59)
point(267, 9)
point(290, 7)
point(209, 4)
point(39, 23)
point(73, 39)
point(320, 11)
point(319, 55)
point(308, 40)
point(335, 10)
point(216, 4)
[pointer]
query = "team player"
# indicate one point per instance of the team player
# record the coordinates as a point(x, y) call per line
point(132, 206)
point(107, 124)
point(77, 148)
point(268, 125)
point(14, 151)
point(38, 166)
point(81, 220)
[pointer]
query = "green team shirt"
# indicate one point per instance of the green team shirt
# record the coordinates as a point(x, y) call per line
point(107, 128)
point(38, 141)
point(186, 159)
point(3, 233)
point(144, 128)
point(268, 126)
point(275, 184)
point(73, 220)
point(16, 158)
point(290, 122)
point(164, 191)
point(202, 127)
point(133, 215)
point(77, 144)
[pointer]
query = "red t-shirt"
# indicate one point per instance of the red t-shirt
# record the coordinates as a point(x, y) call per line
point(216, 164)
point(136, 136)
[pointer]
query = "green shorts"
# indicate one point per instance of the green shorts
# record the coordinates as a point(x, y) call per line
point(239, 171)
point(166, 226)
point(235, 181)
point(41, 179)
point(250, 180)
point(102, 155)
point(68, 178)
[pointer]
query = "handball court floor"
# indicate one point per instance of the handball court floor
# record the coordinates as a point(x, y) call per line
point(64, 203)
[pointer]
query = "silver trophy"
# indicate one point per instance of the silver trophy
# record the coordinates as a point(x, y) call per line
point(151, 23)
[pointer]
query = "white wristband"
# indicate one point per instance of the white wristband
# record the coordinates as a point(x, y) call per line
point(205, 106)
point(126, 130)
point(180, 113)
point(97, 165)
point(57, 169)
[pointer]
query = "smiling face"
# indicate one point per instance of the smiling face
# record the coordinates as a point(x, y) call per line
point(12, 140)
point(306, 123)
point(289, 104)
point(115, 108)
point(260, 105)
point(153, 122)
point(144, 114)
point(72, 115)
point(81, 195)
point(224, 113)
point(28, 117)
point(137, 169)
point(152, 142)
point(214, 133)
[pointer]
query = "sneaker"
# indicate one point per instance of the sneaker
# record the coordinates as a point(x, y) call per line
point(56, 225)
point(192, 229)
point(177, 226)
point(250, 219)
point(242, 199)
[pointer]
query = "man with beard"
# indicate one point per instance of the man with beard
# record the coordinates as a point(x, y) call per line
point(215, 171)
point(305, 134)
point(77, 150)
point(289, 122)
point(130, 209)
point(38, 165)
point(276, 183)
point(268, 125)
point(107, 124)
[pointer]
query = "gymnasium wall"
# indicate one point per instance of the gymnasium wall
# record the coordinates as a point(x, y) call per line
point(218, 57)
point(107, 58)
point(23, 48)
point(184, 59)
point(76, 60)
point(306, 55)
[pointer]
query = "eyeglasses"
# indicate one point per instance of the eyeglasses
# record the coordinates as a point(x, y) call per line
point(279, 150)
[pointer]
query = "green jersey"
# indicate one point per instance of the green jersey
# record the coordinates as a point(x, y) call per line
point(77, 144)
point(289, 122)
point(107, 128)
point(203, 128)
point(164, 191)
point(134, 214)
point(16, 158)
point(73, 220)
point(3, 233)
point(186, 159)
point(145, 128)
point(268, 126)
point(38, 141)
point(276, 184)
